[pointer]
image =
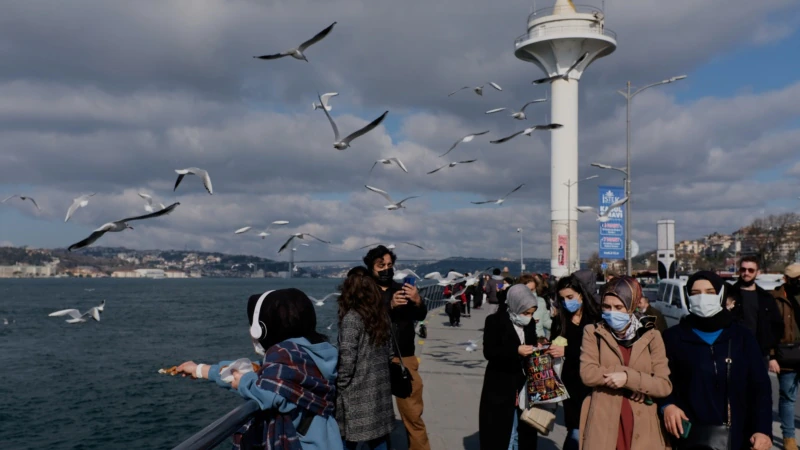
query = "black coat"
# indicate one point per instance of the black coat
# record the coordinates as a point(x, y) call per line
point(769, 324)
point(503, 379)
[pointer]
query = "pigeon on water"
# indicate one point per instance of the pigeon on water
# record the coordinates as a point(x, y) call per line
point(77, 316)
point(194, 171)
point(390, 161)
point(79, 202)
point(565, 75)
point(478, 89)
point(119, 225)
point(465, 139)
point(452, 164)
point(528, 131)
point(149, 206)
point(298, 53)
point(603, 217)
point(324, 98)
point(23, 198)
point(500, 200)
point(392, 206)
point(519, 115)
point(341, 144)
point(299, 236)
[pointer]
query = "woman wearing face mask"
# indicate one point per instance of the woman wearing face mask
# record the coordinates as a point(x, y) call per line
point(508, 337)
point(717, 373)
point(576, 310)
point(623, 360)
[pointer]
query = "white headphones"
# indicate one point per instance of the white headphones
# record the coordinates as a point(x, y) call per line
point(258, 329)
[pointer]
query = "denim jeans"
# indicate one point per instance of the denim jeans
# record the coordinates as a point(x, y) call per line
point(788, 394)
point(375, 444)
point(513, 444)
point(572, 440)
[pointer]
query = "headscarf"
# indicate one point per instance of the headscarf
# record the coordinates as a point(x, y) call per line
point(520, 299)
point(629, 292)
point(718, 321)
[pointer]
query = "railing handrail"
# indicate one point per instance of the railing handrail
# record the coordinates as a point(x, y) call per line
point(543, 31)
point(579, 9)
point(221, 429)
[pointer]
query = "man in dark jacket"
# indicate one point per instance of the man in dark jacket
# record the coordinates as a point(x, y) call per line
point(756, 309)
point(405, 306)
point(491, 290)
point(646, 309)
point(788, 299)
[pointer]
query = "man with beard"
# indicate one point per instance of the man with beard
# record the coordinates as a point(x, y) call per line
point(788, 298)
point(405, 306)
point(757, 311)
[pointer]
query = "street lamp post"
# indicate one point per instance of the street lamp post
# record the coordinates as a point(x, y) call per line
point(627, 170)
point(521, 257)
point(569, 184)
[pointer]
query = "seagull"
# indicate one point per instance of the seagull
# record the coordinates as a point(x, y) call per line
point(391, 246)
point(519, 115)
point(565, 76)
point(242, 230)
point(465, 139)
point(297, 53)
point(319, 302)
point(23, 198)
point(472, 344)
point(76, 315)
point(300, 236)
point(341, 144)
point(194, 171)
point(79, 202)
point(331, 325)
point(324, 98)
point(401, 274)
point(528, 131)
point(444, 281)
point(603, 217)
point(479, 89)
point(119, 225)
point(500, 200)
point(234, 266)
point(149, 206)
point(452, 164)
point(392, 204)
point(265, 233)
point(389, 161)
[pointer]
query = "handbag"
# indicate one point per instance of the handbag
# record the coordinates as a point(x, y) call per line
point(712, 437)
point(399, 375)
point(543, 421)
point(789, 355)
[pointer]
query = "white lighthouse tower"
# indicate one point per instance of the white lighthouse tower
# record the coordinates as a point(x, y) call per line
point(556, 40)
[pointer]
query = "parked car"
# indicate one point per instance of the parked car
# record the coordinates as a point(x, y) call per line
point(671, 300)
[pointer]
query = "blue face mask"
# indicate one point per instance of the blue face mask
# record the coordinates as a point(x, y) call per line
point(572, 305)
point(617, 320)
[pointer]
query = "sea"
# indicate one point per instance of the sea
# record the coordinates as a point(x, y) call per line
point(95, 385)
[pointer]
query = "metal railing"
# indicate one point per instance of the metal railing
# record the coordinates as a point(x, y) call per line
point(432, 295)
point(548, 29)
point(580, 9)
point(221, 429)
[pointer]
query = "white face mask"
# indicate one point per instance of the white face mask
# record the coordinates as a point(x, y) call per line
point(520, 320)
point(705, 305)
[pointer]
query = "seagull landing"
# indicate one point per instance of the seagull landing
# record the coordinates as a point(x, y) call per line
point(299, 236)
point(519, 115)
point(500, 200)
point(119, 225)
point(194, 171)
point(297, 53)
point(79, 202)
point(321, 302)
point(390, 161)
point(478, 89)
point(465, 139)
point(604, 217)
point(392, 204)
point(528, 131)
point(341, 144)
point(565, 75)
point(76, 315)
point(149, 206)
point(452, 164)
point(324, 99)
point(23, 198)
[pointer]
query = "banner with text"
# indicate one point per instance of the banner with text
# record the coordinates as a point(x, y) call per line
point(612, 231)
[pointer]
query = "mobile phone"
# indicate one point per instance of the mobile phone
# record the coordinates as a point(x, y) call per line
point(687, 426)
point(410, 279)
point(499, 285)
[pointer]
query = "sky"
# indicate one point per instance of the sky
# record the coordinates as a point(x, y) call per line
point(111, 97)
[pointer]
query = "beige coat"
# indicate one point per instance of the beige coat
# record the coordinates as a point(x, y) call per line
point(648, 373)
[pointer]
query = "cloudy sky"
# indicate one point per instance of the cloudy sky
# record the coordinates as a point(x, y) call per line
point(111, 96)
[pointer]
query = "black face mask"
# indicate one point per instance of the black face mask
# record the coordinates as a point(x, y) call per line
point(793, 284)
point(385, 277)
point(747, 283)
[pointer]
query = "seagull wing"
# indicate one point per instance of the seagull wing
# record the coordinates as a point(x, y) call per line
point(75, 205)
point(479, 134)
point(369, 127)
point(101, 306)
point(321, 240)
point(458, 90)
point(9, 198)
point(370, 245)
point(325, 97)
point(206, 179)
point(333, 294)
point(413, 245)
point(178, 181)
point(160, 213)
point(380, 191)
point(492, 111)
point(318, 37)
point(467, 161)
point(32, 201)
point(273, 56)
point(88, 241)
point(507, 138)
point(434, 275)
point(546, 80)
point(407, 198)
point(146, 197)
point(286, 244)
point(74, 313)
point(614, 206)
point(514, 190)
point(373, 166)
point(495, 85)
point(483, 202)
point(94, 313)
point(437, 169)
point(242, 230)
point(574, 65)
point(330, 119)
point(584, 209)
point(399, 164)
point(451, 147)
point(532, 102)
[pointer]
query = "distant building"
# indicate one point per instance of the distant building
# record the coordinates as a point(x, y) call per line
point(124, 274)
point(175, 274)
point(150, 273)
point(27, 271)
point(86, 271)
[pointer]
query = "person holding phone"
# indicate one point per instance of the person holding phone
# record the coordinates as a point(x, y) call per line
point(719, 382)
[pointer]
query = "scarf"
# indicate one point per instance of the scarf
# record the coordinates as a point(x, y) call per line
point(291, 373)
point(718, 321)
point(631, 334)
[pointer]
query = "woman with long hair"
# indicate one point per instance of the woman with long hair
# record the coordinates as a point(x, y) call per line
point(576, 310)
point(364, 393)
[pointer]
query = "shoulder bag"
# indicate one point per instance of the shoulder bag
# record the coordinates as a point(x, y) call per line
point(713, 437)
point(399, 376)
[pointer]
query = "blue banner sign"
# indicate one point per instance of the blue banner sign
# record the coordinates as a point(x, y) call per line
point(612, 233)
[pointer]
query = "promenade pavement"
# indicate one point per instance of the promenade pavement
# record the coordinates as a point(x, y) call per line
point(453, 379)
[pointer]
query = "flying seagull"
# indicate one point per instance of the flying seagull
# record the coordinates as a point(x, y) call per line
point(479, 89)
point(324, 98)
point(604, 216)
point(320, 302)
point(23, 198)
point(392, 246)
point(528, 131)
point(149, 206)
point(519, 115)
point(465, 139)
point(341, 144)
point(392, 204)
point(119, 225)
point(500, 200)
point(401, 274)
point(297, 53)
point(242, 230)
point(389, 161)
point(565, 76)
point(452, 164)
point(79, 202)
point(300, 236)
point(76, 315)
point(194, 171)
point(444, 281)
point(265, 233)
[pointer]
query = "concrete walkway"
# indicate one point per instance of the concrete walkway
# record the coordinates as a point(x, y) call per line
point(453, 379)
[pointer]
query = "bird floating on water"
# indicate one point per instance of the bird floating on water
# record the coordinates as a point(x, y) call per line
point(23, 198)
point(194, 171)
point(477, 89)
point(119, 225)
point(392, 206)
point(298, 53)
point(500, 200)
point(78, 317)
